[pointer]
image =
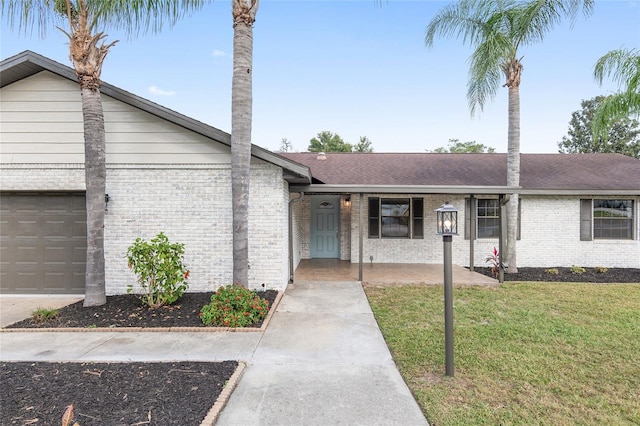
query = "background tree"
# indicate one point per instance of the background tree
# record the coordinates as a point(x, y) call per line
point(285, 145)
point(496, 29)
point(456, 147)
point(623, 66)
point(327, 141)
point(87, 52)
point(364, 145)
point(244, 16)
point(623, 136)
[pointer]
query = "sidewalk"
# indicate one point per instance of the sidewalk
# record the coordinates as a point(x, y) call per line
point(321, 361)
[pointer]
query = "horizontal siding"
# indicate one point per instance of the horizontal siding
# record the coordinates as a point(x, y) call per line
point(22, 105)
point(41, 122)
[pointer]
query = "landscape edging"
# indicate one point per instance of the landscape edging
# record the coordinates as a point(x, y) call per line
point(212, 416)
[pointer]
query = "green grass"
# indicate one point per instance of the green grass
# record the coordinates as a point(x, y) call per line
point(525, 353)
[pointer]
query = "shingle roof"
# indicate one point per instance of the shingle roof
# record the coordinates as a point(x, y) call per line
point(537, 171)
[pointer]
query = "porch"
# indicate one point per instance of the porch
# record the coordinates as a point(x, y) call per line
point(385, 274)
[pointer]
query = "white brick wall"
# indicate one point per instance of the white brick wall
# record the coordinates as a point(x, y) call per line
point(399, 250)
point(42, 177)
point(193, 206)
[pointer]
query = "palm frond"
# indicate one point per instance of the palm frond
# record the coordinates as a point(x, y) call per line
point(613, 108)
point(465, 19)
point(622, 66)
point(29, 15)
point(537, 17)
point(485, 72)
point(141, 16)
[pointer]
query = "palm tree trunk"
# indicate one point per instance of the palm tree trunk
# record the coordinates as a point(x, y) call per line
point(95, 177)
point(241, 116)
point(513, 175)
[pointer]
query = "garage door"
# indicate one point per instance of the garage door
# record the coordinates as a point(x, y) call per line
point(42, 243)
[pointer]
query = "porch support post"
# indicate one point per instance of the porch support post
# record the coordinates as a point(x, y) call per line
point(291, 265)
point(360, 236)
point(472, 229)
point(502, 200)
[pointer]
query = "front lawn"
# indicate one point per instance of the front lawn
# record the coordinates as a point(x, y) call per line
point(525, 353)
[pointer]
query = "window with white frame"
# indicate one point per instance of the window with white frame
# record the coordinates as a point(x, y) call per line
point(396, 217)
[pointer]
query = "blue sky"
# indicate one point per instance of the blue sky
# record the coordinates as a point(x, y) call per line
point(356, 68)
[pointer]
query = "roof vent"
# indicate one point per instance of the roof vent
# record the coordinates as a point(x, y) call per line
point(321, 156)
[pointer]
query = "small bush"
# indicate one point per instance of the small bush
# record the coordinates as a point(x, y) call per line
point(44, 314)
point(552, 271)
point(160, 268)
point(234, 306)
point(601, 269)
point(578, 270)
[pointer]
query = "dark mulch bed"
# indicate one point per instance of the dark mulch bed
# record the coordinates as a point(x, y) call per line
point(135, 393)
point(591, 275)
point(171, 393)
point(127, 311)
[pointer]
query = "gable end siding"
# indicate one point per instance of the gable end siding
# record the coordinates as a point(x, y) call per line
point(41, 120)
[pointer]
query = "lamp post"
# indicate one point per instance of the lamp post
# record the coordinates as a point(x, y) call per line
point(447, 226)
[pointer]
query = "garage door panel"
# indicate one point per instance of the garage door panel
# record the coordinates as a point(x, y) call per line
point(56, 255)
point(42, 243)
point(27, 255)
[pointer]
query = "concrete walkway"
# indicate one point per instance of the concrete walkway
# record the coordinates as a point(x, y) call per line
point(321, 361)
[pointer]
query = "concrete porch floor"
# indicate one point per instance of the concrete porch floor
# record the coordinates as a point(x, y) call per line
point(383, 274)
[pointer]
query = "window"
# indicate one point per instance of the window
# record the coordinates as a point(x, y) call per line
point(396, 217)
point(607, 219)
point(487, 217)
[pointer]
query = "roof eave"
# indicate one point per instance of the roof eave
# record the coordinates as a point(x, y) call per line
point(585, 192)
point(405, 189)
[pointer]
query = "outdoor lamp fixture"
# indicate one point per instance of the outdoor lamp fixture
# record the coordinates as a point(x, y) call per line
point(447, 220)
point(106, 202)
point(447, 226)
point(347, 201)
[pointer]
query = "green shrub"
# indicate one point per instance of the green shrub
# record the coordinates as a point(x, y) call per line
point(160, 268)
point(578, 270)
point(552, 271)
point(234, 306)
point(601, 269)
point(44, 314)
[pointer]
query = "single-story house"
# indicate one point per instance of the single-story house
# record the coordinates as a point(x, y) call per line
point(167, 172)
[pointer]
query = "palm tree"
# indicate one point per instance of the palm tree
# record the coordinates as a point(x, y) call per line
point(244, 15)
point(87, 52)
point(496, 29)
point(623, 66)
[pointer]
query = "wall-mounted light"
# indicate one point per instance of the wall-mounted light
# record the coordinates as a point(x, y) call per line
point(347, 201)
point(106, 202)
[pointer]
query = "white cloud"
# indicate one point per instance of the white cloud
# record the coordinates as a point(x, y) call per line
point(218, 53)
point(157, 91)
